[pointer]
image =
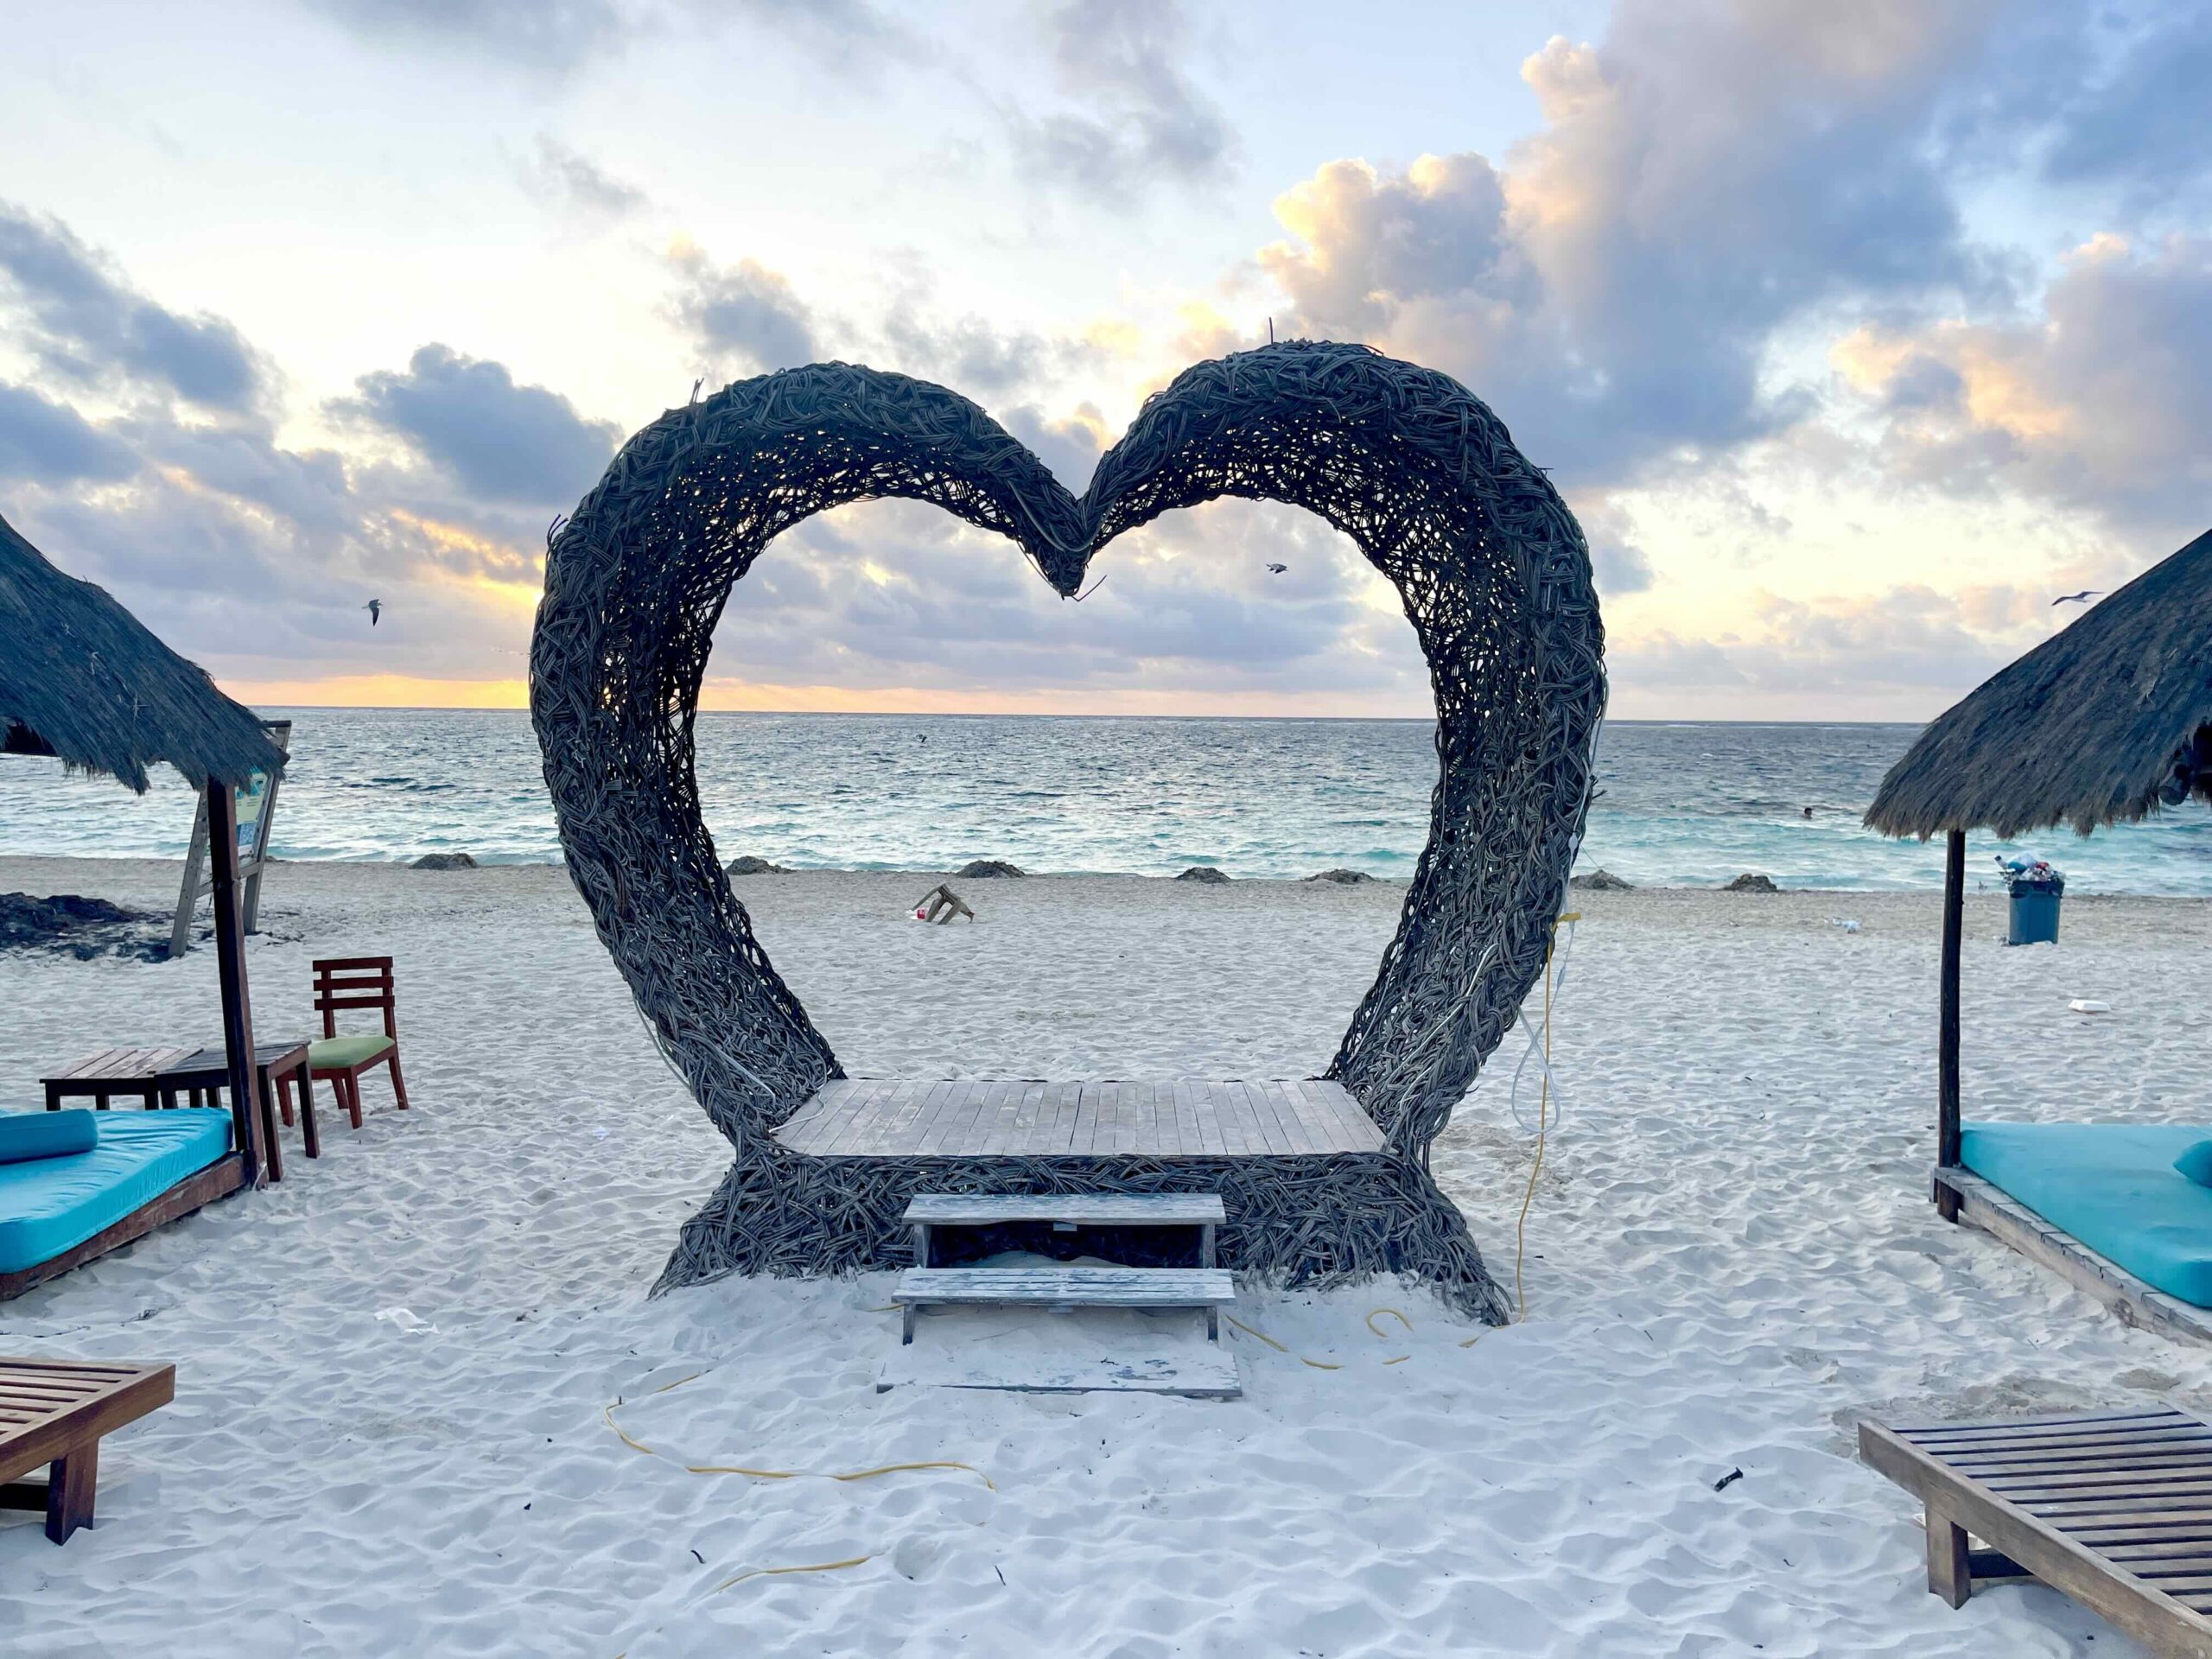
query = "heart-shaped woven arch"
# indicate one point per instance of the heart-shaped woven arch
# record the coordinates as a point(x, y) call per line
point(1495, 578)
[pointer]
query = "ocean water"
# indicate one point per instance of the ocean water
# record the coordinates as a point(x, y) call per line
point(1682, 803)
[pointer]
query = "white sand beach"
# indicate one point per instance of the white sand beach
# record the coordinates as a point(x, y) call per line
point(1731, 1257)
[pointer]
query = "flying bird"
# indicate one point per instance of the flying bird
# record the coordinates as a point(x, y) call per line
point(2082, 598)
point(375, 608)
point(1277, 570)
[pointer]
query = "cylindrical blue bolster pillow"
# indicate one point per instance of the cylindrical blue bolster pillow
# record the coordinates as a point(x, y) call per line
point(26, 1135)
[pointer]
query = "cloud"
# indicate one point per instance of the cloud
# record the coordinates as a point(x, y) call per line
point(2099, 399)
point(51, 442)
point(553, 35)
point(514, 444)
point(570, 182)
point(1141, 121)
point(743, 316)
point(84, 326)
point(2146, 125)
point(1710, 176)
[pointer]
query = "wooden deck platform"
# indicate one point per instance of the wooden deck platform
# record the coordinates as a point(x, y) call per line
point(890, 1117)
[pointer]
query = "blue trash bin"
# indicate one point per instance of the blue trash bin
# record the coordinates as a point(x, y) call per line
point(2034, 913)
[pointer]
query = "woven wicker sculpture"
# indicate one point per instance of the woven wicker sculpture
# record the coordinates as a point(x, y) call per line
point(1495, 578)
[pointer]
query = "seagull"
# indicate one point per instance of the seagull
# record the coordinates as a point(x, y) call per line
point(375, 608)
point(2082, 598)
point(1277, 570)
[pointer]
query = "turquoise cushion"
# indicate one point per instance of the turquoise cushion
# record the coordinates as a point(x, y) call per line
point(26, 1135)
point(2112, 1186)
point(340, 1052)
point(54, 1204)
point(2197, 1163)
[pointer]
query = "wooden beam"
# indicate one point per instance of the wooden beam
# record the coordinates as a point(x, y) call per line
point(2127, 1298)
point(230, 961)
point(1947, 1036)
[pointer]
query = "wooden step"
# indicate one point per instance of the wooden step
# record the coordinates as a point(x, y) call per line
point(1068, 1212)
point(1078, 1209)
point(1058, 1287)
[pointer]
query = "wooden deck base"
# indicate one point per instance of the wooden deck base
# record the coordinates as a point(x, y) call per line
point(2127, 1298)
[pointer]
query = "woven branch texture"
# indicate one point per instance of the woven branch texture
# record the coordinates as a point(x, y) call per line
point(1494, 575)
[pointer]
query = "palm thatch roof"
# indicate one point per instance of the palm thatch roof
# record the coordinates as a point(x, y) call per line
point(81, 678)
point(2109, 721)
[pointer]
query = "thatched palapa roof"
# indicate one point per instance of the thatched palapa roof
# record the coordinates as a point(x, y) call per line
point(82, 678)
point(2109, 721)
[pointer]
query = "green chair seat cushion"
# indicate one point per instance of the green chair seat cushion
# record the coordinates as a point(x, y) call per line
point(50, 1205)
point(343, 1054)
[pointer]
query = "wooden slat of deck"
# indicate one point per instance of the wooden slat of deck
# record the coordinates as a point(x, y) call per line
point(1107, 1117)
point(2013, 1425)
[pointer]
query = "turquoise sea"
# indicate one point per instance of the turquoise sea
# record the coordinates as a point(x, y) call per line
point(1683, 804)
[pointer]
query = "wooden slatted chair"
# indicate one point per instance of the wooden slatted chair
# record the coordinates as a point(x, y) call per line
point(353, 982)
point(2112, 1508)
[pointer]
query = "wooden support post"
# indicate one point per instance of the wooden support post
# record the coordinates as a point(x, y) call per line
point(1948, 1574)
point(1947, 1036)
point(187, 900)
point(247, 1109)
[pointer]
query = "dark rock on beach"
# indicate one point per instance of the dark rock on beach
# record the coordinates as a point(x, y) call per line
point(444, 862)
point(1600, 881)
point(1342, 878)
point(1205, 873)
point(83, 928)
point(1748, 882)
point(749, 864)
point(986, 868)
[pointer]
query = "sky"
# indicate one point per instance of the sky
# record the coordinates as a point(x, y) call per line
point(1853, 335)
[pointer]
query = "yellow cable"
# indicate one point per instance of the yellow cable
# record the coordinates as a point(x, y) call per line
point(1249, 1331)
point(1543, 1125)
point(1395, 1314)
point(778, 1572)
point(607, 1411)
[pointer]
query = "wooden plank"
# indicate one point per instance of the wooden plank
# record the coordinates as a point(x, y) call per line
point(1102, 1117)
point(2038, 1463)
point(2096, 1435)
point(2121, 1293)
point(2118, 1414)
point(1200, 1372)
point(1167, 1288)
point(1095, 1209)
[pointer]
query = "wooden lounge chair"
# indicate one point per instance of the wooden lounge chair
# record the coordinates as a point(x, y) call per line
point(353, 982)
point(2112, 1508)
point(53, 1412)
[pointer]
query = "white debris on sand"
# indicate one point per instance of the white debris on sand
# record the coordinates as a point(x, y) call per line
point(1731, 1258)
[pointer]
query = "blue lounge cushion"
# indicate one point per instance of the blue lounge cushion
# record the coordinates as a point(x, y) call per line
point(2114, 1187)
point(51, 1205)
point(28, 1135)
point(2197, 1163)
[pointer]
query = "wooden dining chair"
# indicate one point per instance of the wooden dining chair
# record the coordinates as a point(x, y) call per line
point(354, 982)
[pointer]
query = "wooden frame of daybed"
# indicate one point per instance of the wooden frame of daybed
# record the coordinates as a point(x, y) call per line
point(1962, 1196)
point(246, 1164)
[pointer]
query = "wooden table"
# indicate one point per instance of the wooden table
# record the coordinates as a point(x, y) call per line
point(208, 1073)
point(111, 1072)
